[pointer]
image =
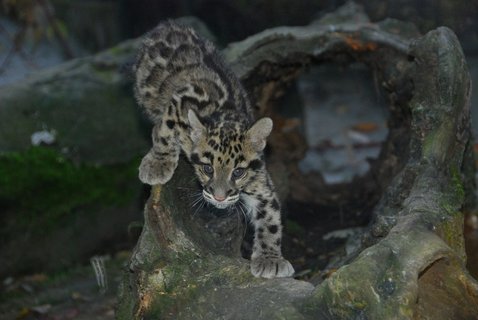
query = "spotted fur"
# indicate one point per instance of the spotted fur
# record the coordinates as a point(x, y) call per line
point(199, 106)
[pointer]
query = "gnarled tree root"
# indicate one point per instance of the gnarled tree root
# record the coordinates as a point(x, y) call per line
point(188, 266)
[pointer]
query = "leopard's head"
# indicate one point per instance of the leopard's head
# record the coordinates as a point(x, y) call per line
point(227, 158)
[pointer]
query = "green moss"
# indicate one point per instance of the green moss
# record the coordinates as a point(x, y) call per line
point(126, 301)
point(41, 187)
point(451, 231)
point(454, 195)
point(107, 74)
point(178, 284)
point(450, 228)
point(436, 143)
point(457, 184)
point(175, 284)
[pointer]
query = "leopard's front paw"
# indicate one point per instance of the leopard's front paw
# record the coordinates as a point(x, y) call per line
point(271, 267)
point(154, 171)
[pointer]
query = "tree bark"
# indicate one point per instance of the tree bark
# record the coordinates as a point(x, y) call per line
point(412, 263)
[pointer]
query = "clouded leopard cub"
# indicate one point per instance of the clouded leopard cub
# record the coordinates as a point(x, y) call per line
point(199, 106)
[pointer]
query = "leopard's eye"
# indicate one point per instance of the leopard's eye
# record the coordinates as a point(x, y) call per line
point(238, 172)
point(208, 169)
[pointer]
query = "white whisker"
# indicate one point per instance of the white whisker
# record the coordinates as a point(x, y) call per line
point(201, 203)
point(197, 201)
point(243, 208)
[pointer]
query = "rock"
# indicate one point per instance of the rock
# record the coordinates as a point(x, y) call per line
point(64, 202)
point(88, 102)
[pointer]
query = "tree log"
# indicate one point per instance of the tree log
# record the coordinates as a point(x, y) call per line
point(188, 265)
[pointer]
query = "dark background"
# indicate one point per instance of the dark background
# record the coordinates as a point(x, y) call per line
point(234, 20)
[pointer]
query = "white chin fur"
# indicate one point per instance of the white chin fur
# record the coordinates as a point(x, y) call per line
point(220, 205)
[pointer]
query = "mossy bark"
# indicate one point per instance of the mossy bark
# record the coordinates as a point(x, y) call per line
point(412, 264)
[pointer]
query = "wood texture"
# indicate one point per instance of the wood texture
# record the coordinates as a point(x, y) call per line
point(411, 265)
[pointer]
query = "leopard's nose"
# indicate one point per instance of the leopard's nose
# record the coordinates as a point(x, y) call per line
point(219, 198)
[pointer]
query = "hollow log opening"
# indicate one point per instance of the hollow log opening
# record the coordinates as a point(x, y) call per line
point(316, 205)
point(341, 113)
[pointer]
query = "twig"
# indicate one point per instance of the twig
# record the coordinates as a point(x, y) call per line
point(45, 5)
point(16, 48)
point(98, 264)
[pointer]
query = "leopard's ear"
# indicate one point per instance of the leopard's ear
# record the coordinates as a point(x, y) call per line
point(258, 133)
point(197, 129)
